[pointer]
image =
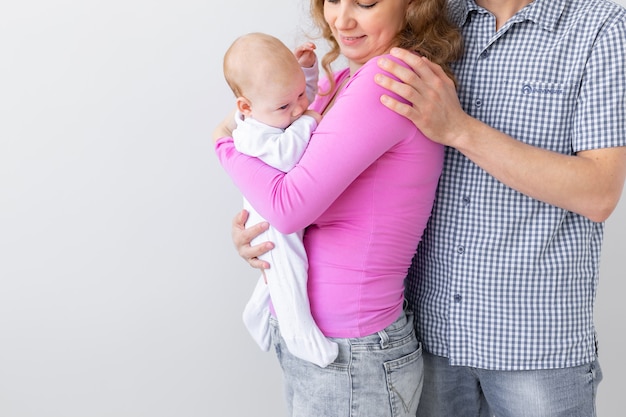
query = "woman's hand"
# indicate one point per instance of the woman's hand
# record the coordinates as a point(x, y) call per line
point(242, 238)
point(225, 127)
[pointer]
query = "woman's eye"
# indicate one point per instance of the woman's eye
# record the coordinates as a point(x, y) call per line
point(367, 6)
point(363, 5)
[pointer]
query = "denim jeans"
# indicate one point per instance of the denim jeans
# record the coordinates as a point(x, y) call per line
point(471, 392)
point(373, 376)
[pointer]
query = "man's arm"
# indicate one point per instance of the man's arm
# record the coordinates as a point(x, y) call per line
point(589, 183)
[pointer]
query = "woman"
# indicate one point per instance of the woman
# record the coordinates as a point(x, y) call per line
point(364, 189)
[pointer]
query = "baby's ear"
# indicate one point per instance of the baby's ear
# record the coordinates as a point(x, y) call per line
point(244, 106)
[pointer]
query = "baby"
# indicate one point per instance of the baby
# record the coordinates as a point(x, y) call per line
point(273, 87)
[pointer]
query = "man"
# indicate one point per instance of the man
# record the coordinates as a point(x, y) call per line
point(505, 278)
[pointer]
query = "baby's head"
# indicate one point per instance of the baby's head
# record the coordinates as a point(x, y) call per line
point(266, 78)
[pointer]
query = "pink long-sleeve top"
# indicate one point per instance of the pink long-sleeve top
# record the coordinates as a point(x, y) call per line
point(363, 190)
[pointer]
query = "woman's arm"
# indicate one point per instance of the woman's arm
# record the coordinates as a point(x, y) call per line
point(356, 132)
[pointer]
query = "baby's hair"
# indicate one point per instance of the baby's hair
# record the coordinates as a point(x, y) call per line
point(253, 57)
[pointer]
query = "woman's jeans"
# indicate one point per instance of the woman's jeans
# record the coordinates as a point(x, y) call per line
point(373, 376)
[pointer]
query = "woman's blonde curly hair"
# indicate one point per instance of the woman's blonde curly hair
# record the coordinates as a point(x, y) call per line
point(427, 31)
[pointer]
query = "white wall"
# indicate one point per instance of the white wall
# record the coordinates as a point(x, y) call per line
point(120, 291)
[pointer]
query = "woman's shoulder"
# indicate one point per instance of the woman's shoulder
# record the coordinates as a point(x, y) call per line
point(338, 76)
point(371, 66)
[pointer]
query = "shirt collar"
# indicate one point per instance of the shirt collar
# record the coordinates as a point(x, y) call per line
point(545, 13)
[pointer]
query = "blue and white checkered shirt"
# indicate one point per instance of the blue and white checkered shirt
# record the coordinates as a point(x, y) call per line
point(500, 280)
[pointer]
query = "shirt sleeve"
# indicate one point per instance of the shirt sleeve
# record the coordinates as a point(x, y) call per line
point(353, 134)
point(600, 118)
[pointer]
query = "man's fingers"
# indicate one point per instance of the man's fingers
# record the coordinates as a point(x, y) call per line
point(406, 75)
point(399, 107)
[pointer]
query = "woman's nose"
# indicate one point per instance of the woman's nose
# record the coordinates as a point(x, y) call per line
point(343, 17)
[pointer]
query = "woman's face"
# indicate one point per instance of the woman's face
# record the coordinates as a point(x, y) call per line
point(364, 28)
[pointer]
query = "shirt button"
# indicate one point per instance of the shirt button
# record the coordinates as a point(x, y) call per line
point(457, 298)
point(466, 201)
point(460, 250)
point(484, 54)
point(478, 103)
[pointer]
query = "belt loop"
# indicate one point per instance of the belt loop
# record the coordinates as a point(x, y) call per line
point(384, 339)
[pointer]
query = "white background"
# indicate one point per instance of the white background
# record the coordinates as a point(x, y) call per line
point(120, 290)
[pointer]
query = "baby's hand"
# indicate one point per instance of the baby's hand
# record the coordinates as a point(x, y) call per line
point(305, 54)
point(314, 114)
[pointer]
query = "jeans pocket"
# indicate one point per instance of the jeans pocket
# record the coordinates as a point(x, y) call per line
point(405, 377)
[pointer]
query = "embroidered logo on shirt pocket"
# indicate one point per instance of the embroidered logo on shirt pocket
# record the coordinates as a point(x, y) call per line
point(540, 89)
point(534, 88)
point(539, 111)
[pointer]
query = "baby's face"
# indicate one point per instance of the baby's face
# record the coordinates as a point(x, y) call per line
point(278, 104)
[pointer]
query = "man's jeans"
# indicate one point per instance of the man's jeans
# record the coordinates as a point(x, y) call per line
point(471, 392)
